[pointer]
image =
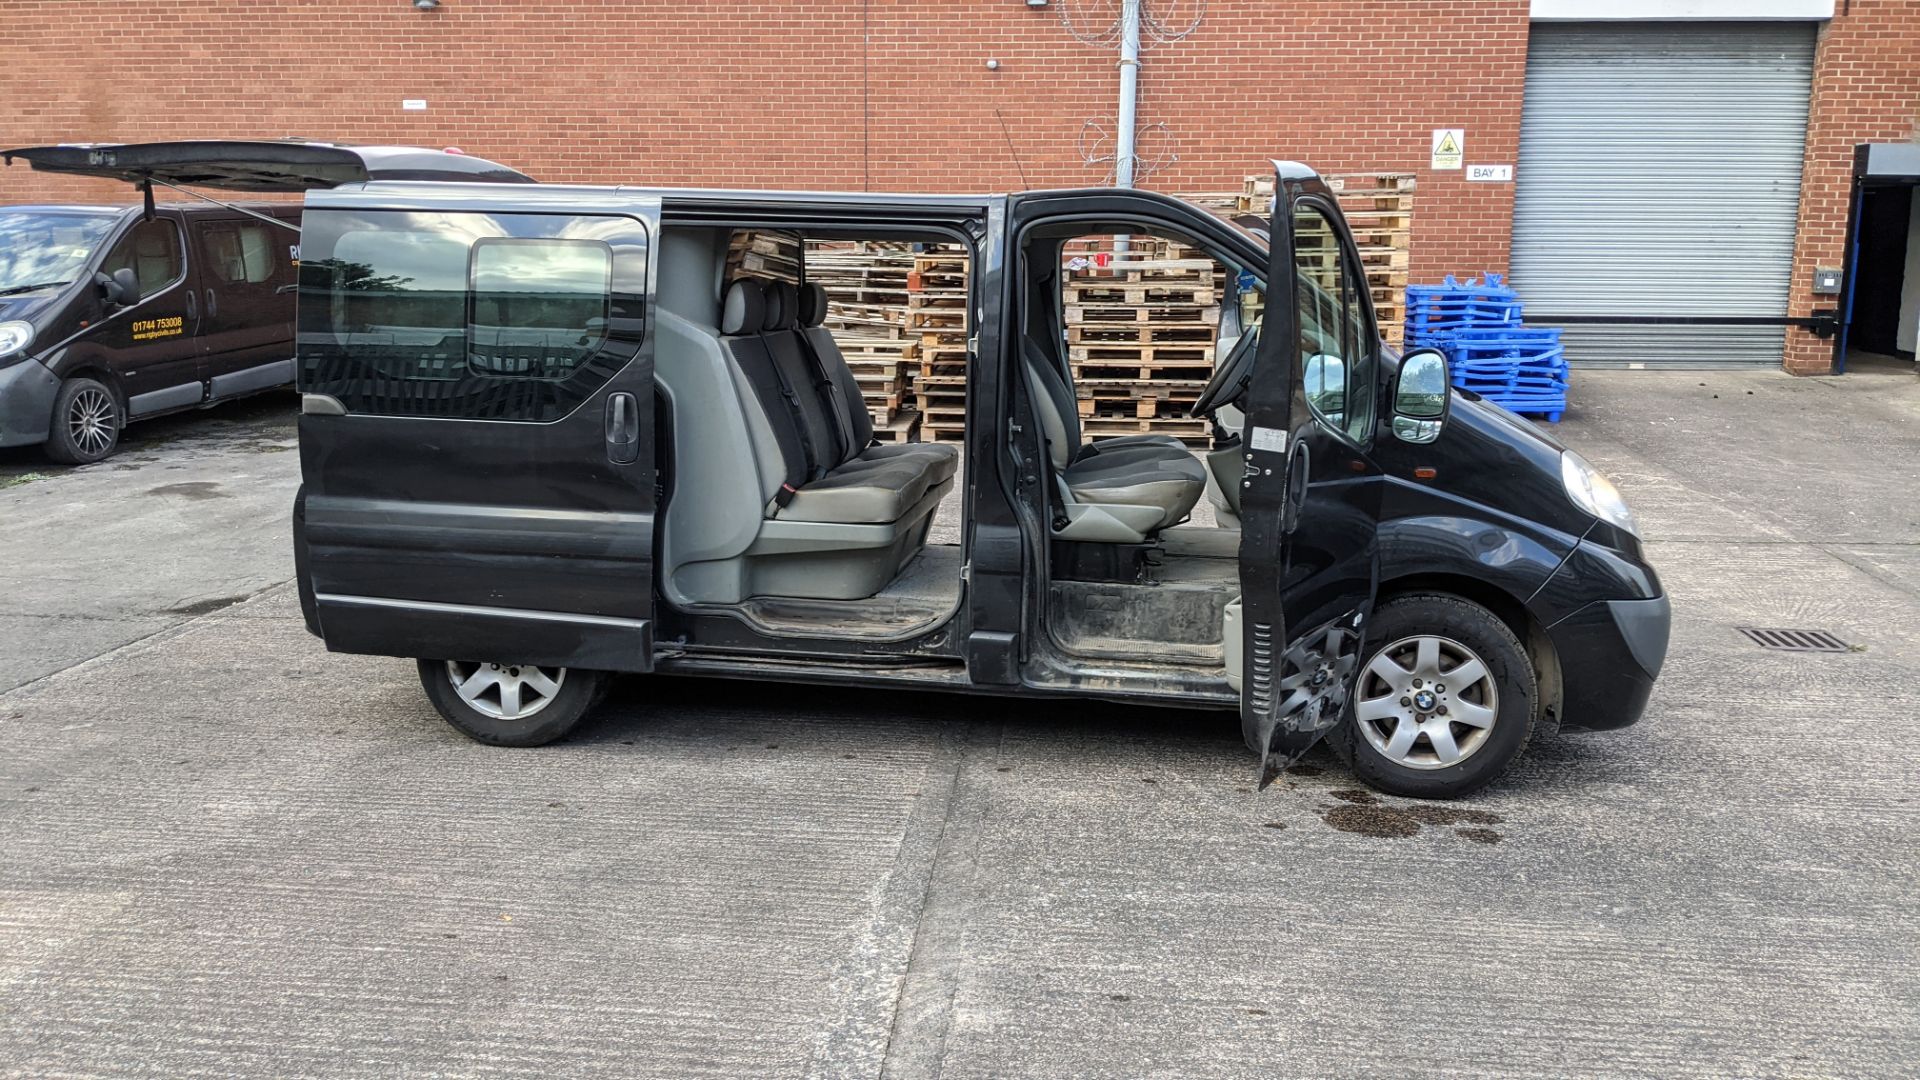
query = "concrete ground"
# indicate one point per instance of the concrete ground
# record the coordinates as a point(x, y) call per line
point(224, 851)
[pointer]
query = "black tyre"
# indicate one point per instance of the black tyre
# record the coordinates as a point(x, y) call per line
point(511, 704)
point(86, 423)
point(1444, 703)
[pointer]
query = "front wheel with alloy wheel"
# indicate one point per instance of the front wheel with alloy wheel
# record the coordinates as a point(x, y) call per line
point(510, 704)
point(86, 423)
point(1444, 703)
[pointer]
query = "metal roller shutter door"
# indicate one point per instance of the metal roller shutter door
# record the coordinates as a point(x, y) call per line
point(1659, 175)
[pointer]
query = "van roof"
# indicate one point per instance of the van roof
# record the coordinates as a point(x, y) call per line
point(694, 199)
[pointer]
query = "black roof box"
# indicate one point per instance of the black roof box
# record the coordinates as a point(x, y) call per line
point(261, 165)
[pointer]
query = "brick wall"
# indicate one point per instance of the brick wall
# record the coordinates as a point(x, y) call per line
point(878, 94)
point(767, 94)
point(1866, 88)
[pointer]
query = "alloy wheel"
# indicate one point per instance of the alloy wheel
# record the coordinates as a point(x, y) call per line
point(505, 691)
point(92, 421)
point(1426, 702)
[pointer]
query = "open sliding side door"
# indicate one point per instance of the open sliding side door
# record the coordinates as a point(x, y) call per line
point(476, 437)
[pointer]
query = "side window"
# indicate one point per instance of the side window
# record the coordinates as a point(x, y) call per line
point(151, 249)
point(238, 253)
point(1336, 339)
point(467, 315)
point(539, 307)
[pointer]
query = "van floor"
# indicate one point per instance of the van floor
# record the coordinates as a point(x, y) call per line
point(920, 597)
point(1178, 617)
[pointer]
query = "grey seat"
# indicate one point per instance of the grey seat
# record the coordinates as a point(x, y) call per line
point(1114, 490)
point(861, 493)
point(1048, 376)
point(837, 527)
point(943, 459)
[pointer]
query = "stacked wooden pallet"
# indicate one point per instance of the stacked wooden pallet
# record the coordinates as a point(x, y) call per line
point(1378, 208)
point(937, 314)
point(1142, 315)
point(866, 286)
point(764, 255)
point(1143, 320)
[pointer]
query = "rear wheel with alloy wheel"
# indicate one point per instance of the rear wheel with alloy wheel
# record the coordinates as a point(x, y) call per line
point(86, 423)
point(1445, 699)
point(510, 704)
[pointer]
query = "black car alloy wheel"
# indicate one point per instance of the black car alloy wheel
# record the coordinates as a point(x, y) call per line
point(85, 426)
point(92, 421)
point(1444, 702)
point(506, 704)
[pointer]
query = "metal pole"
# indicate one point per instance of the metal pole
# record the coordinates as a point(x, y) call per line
point(1129, 91)
point(1129, 87)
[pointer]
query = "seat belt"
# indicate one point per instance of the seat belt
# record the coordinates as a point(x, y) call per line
point(814, 469)
point(826, 384)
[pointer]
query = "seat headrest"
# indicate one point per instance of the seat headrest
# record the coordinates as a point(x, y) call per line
point(813, 304)
point(783, 305)
point(743, 308)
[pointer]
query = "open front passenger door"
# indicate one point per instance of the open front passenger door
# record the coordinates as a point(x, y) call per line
point(1309, 548)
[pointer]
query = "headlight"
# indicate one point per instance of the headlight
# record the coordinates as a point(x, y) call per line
point(1593, 492)
point(14, 337)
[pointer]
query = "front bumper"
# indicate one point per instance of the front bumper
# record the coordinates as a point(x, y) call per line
point(27, 390)
point(1610, 652)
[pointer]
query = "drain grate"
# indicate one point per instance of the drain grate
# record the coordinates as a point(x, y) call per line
point(1785, 640)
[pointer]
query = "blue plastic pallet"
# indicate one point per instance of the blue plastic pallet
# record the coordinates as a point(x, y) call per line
point(1477, 323)
point(1550, 409)
point(1482, 384)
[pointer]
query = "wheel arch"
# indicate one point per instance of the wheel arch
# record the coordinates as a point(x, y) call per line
point(1510, 610)
point(100, 372)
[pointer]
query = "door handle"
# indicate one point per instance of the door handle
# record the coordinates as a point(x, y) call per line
point(213, 305)
point(193, 309)
point(623, 429)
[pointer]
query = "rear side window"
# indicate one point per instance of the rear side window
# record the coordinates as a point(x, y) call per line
point(466, 315)
point(538, 308)
point(239, 253)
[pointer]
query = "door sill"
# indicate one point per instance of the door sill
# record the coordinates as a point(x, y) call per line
point(870, 671)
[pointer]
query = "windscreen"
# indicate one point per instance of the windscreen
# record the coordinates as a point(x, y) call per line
point(40, 250)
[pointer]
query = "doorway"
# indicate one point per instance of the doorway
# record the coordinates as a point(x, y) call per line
point(1881, 287)
point(1886, 215)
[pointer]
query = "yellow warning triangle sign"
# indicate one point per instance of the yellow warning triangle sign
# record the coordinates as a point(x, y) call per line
point(1447, 145)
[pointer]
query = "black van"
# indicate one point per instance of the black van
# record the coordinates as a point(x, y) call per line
point(550, 433)
point(111, 314)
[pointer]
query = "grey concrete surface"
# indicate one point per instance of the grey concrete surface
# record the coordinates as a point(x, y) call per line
point(191, 514)
point(226, 852)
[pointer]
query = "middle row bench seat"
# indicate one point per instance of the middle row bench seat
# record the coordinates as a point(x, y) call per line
point(812, 312)
point(850, 481)
point(840, 524)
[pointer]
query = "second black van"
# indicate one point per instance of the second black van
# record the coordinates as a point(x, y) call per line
point(110, 314)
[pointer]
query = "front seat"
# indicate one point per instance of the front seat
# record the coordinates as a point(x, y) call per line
point(1043, 372)
point(1117, 491)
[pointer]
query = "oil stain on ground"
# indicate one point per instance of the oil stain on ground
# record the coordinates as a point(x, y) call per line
point(202, 607)
point(192, 489)
point(1362, 812)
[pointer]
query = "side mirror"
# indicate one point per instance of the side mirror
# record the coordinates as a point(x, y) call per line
point(1326, 379)
point(121, 288)
point(1420, 395)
